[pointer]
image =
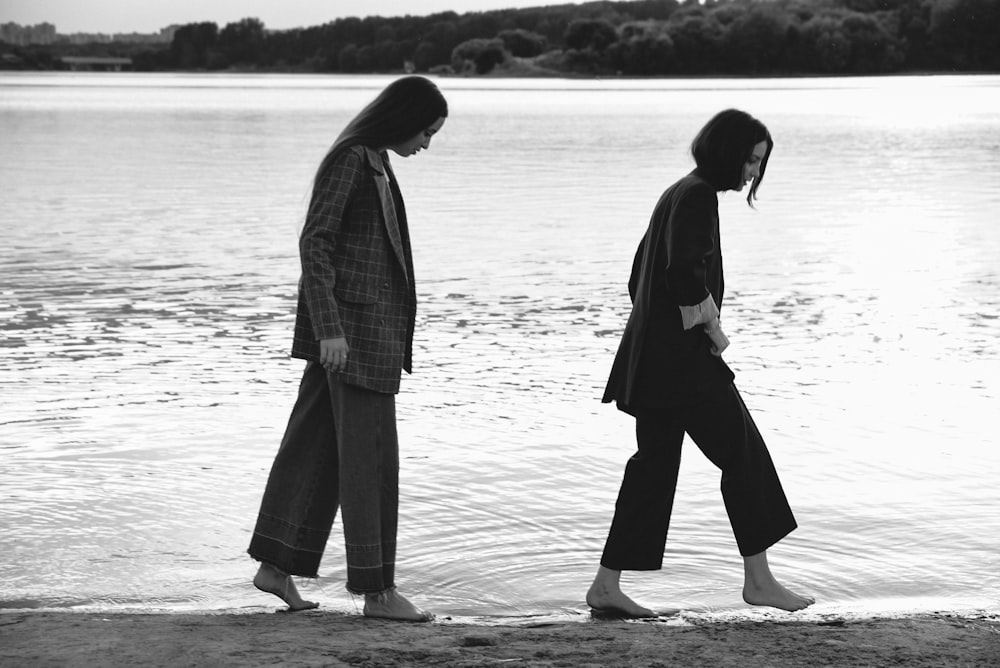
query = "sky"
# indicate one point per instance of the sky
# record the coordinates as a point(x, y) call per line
point(149, 16)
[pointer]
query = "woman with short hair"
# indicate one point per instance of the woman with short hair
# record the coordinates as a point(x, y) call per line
point(669, 374)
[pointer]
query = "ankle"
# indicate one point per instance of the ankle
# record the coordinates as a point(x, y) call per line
point(607, 579)
point(271, 569)
point(757, 571)
point(383, 596)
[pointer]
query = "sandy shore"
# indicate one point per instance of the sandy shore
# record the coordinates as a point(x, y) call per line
point(334, 639)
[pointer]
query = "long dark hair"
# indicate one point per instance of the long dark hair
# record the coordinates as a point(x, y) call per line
point(405, 108)
point(725, 144)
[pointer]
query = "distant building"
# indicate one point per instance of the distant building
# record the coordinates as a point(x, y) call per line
point(85, 38)
point(167, 34)
point(18, 35)
point(45, 33)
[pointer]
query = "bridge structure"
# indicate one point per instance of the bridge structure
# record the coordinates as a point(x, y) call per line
point(97, 64)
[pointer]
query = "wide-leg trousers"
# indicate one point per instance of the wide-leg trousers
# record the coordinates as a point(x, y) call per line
point(721, 426)
point(340, 449)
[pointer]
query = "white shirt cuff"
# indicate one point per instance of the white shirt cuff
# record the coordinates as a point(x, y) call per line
point(699, 314)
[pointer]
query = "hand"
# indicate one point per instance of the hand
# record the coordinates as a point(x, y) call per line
point(718, 338)
point(333, 354)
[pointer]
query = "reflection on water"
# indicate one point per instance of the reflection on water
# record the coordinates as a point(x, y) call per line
point(149, 281)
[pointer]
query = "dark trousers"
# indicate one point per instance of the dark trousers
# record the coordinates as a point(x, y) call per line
point(720, 425)
point(340, 448)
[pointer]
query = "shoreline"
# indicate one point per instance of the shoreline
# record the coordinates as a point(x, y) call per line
point(317, 637)
point(518, 74)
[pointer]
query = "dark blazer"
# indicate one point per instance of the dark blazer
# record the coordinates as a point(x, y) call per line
point(357, 271)
point(678, 262)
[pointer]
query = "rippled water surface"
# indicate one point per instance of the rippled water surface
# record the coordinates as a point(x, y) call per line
point(147, 286)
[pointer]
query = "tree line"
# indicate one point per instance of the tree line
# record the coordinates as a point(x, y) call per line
point(637, 38)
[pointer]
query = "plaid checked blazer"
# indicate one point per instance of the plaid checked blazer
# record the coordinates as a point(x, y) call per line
point(357, 271)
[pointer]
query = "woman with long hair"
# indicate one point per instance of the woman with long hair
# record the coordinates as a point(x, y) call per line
point(354, 328)
point(669, 374)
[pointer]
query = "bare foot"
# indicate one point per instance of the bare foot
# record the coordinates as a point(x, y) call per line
point(390, 604)
point(606, 598)
point(272, 580)
point(760, 587)
point(776, 596)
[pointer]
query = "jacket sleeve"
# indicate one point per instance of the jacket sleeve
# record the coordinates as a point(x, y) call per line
point(331, 198)
point(693, 238)
point(633, 281)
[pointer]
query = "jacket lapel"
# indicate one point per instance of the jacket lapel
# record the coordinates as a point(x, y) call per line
point(388, 206)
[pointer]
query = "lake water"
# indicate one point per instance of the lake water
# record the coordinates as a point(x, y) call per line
point(147, 287)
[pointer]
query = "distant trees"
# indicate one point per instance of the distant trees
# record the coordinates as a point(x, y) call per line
point(193, 45)
point(754, 40)
point(523, 43)
point(647, 37)
point(241, 42)
point(966, 33)
point(697, 41)
point(593, 34)
point(642, 37)
point(643, 48)
point(821, 46)
point(478, 55)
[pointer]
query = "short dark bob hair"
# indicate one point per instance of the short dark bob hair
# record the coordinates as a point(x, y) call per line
point(725, 145)
point(405, 108)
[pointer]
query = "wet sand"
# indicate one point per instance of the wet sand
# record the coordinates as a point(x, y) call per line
point(318, 638)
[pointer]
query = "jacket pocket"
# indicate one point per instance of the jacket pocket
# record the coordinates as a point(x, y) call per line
point(357, 292)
